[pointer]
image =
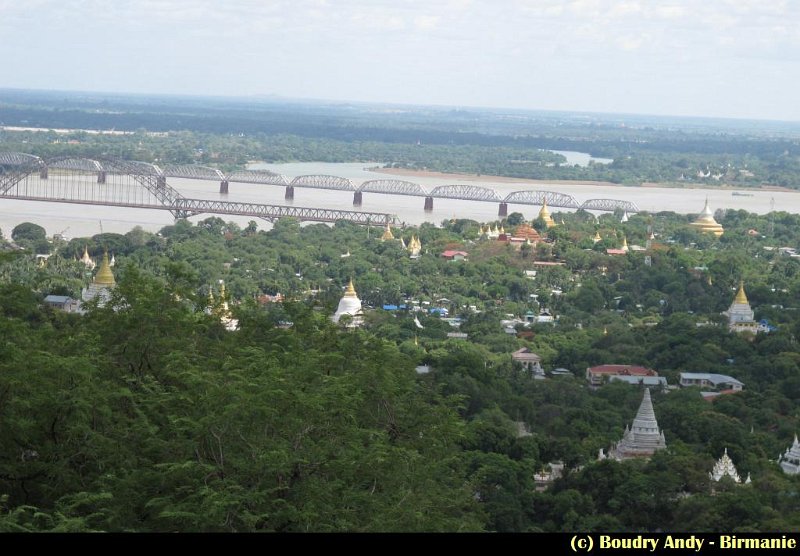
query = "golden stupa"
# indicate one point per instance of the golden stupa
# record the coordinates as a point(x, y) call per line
point(741, 297)
point(351, 289)
point(597, 238)
point(705, 222)
point(387, 233)
point(104, 276)
point(544, 214)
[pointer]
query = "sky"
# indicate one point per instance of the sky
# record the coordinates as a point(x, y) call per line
point(717, 58)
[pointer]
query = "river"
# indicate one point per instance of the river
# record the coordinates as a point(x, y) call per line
point(84, 220)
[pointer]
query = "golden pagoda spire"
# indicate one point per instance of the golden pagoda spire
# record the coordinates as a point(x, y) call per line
point(597, 238)
point(387, 233)
point(625, 244)
point(104, 276)
point(741, 297)
point(351, 290)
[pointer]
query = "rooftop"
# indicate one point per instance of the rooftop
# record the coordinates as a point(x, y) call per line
point(632, 370)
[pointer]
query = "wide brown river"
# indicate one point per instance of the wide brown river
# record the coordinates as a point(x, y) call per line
point(80, 220)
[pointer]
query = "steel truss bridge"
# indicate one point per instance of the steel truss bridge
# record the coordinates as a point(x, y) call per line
point(113, 182)
point(144, 172)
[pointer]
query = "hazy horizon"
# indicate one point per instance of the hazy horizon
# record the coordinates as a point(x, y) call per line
point(733, 59)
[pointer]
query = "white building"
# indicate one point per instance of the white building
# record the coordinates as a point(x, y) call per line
point(712, 380)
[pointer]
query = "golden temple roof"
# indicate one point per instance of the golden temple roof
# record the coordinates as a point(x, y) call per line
point(104, 276)
point(525, 230)
point(387, 233)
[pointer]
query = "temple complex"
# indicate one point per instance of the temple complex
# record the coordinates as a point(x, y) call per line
point(349, 305)
point(643, 438)
point(101, 285)
point(790, 459)
point(705, 222)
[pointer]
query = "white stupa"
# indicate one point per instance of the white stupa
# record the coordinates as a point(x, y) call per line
point(790, 459)
point(643, 438)
point(350, 305)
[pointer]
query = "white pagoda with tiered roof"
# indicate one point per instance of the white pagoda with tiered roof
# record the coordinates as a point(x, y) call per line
point(643, 438)
point(790, 459)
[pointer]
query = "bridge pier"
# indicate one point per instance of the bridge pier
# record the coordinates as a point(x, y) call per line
point(161, 181)
point(43, 174)
point(428, 204)
point(357, 199)
point(223, 187)
point(503, 210)
point(289, 193)
point(101, 176)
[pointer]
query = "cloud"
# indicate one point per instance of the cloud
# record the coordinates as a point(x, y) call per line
point(671, 12)
point(426, 22)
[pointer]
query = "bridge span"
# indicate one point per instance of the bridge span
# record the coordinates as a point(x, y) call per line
point(119, 183)
point(16, 162)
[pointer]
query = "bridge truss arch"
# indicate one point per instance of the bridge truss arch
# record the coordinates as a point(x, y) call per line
point(121, 183)
point(192, 172)
point(609, 205)
point(393, 187)
point(74, 164)
point(465, 192)
point(531, 197)
point(323, 182)
point(89, 181)
point(265, 177)
point(19, 159)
